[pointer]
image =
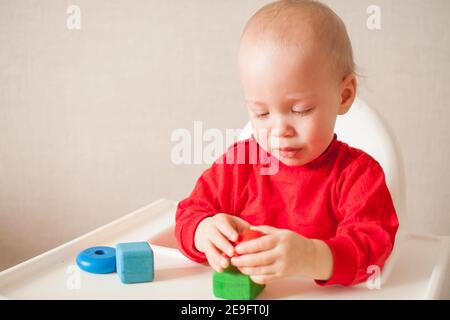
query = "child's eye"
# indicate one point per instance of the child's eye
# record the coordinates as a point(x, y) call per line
point(262, 115)
point(303, 112)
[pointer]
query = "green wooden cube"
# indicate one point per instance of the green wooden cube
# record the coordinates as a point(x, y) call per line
point(232, 284)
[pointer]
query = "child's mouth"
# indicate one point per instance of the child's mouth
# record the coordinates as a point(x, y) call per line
point(289, 152)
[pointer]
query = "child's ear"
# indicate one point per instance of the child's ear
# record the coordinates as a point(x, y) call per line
point(347, 89)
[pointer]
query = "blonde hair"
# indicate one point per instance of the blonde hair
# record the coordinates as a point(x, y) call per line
point(281, 21)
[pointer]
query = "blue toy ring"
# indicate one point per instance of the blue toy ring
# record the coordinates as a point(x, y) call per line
point(97, 260)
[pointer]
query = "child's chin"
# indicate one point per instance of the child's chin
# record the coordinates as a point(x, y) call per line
point(291, 161)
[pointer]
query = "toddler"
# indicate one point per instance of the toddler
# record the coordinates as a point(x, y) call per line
point(325, 210)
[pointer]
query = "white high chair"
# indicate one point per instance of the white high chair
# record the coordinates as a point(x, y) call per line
point(420, 259)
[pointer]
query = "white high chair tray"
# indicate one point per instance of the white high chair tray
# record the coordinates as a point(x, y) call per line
point(54, 274)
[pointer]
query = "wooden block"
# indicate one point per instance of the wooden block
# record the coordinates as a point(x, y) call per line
point(135, 262)
point(232, 284)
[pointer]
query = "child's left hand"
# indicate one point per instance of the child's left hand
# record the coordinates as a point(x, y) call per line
point(280, 253)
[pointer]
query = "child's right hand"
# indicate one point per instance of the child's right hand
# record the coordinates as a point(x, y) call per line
point(214, 235)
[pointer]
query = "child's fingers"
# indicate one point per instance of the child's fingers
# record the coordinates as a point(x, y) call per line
point(255, 259)
point(213, 264)
point(211, 260)
point(221, 243)
point(262, 279)
point(261, 270)
point(227, 229)
point(239, 224)
point(216, 259)
point(265, 229)
point(263, 243)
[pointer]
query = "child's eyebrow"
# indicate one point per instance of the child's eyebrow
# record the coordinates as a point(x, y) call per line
point(255, 101)
point(299, 95)
point(289, 97)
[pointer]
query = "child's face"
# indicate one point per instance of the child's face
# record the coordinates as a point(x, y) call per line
point(292, 99)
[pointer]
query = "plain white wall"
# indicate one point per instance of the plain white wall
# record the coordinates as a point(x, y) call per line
point(86, 115)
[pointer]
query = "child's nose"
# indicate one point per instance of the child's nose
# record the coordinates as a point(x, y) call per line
point(284, 129)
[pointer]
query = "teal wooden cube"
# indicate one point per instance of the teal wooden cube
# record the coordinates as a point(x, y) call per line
point(232, 284)
point(134, 262)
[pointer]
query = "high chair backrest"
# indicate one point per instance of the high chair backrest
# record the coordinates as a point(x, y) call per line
point(364, 129)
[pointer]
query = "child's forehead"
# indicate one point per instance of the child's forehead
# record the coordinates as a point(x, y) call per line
point(257, 58)
point(294, 44)
point(284, 70)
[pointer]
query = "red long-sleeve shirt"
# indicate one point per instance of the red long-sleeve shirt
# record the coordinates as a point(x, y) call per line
point(340, 197)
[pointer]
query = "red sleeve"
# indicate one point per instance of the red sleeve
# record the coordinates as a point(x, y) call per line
point(366, 233)
point(212, 194)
